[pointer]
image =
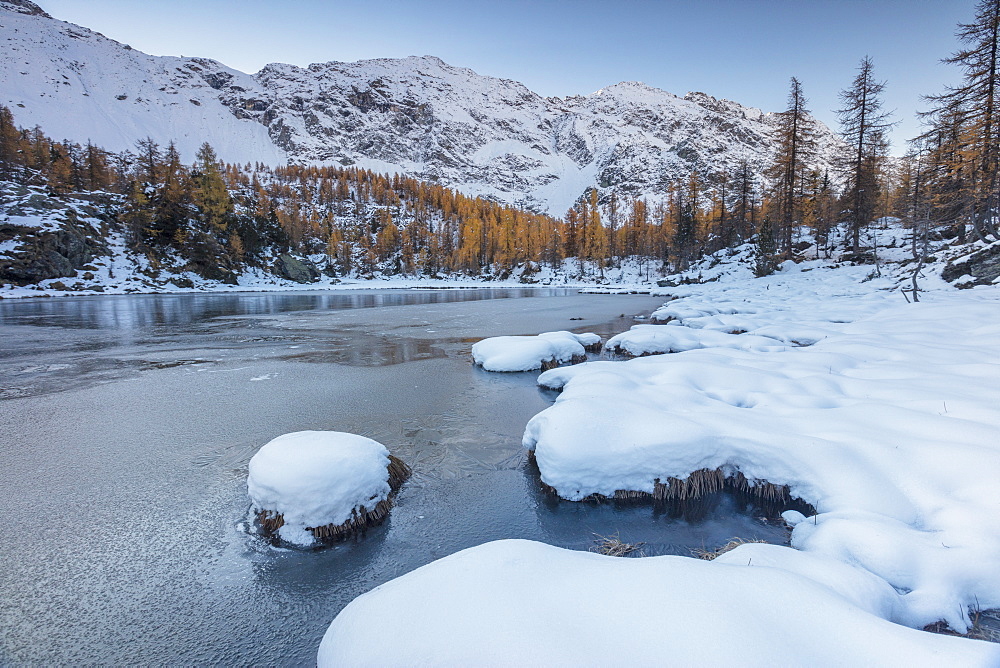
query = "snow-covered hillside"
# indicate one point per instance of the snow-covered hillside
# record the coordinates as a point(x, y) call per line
point(417, 115)
point(79, 85)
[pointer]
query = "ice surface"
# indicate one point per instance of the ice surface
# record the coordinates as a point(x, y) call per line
point(518, 602)
point(315, 478)
point(526, 353)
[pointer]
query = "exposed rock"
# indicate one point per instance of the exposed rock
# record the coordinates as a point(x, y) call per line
point(24, 7)
point(295, 269)
point(983, 266)
point(50, 253)
point(216, 272)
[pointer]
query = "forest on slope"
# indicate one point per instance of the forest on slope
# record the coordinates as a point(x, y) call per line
point(219, 221)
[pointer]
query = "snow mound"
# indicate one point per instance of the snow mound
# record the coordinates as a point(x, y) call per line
point(526, 353)
point(518, 602)
point(657, 339)
point(887, 426)
point(317, 478)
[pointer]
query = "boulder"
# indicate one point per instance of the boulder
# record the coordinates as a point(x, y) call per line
point(983, 265)
point(50, 254)
point(294, 269)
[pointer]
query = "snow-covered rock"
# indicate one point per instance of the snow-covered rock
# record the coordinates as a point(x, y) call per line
point(517, 602)
point(526, 353)
point(418, 115)
point(315, 479)
point(887, 425)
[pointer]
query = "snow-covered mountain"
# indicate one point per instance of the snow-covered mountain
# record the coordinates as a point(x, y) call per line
point(417, 115)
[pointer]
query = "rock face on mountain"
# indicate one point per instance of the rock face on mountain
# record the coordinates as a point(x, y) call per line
point(417, 115)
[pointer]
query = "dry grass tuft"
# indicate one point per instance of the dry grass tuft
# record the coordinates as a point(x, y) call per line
point(399, 473)
point(550, 363)
point(985, 626)
point(709, 555)
point(270, 521)
point(706, 481)
point(697, 486)
point(613, 546)
point(553, 363)
point(361, 517)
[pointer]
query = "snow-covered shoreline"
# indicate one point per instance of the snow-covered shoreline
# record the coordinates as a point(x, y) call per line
point(395, 283)
point(880, 413)
point(886, 423)
point(518, 602)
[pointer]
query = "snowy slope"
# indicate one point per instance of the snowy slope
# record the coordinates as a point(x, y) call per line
point(77, 84)
point(417, 115)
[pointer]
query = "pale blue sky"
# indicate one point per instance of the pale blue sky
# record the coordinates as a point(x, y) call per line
point(744, 50)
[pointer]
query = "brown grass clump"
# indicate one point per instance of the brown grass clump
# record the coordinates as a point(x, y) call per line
point(706, 481)
point(709, 555)
point(552, 362)
point(613, 546)
point(361, 517)
point(985, 626)
point(698, 485)
point(399, 473)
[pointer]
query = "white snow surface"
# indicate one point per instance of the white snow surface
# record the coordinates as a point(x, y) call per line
point(526, 353)
point(657, 339)
point(78, 84)
point(519, 603)
point(315, 478)
point(889, 424)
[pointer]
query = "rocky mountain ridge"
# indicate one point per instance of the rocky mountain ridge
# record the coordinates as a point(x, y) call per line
point(418, 115)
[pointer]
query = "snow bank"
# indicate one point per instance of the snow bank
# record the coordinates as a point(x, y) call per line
point(658, 339)
point(317, 478)
point(525, 353)
point(888, 425)
point(518, 602)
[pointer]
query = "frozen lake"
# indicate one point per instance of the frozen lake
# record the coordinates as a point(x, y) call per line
point(126, 423)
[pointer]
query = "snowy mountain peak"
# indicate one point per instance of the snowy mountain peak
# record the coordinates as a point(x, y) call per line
point(23, 7)
point(417, 115)
point(625, 88)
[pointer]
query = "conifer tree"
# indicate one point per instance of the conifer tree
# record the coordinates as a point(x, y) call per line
point(765, 249)
point(211, 196)
point(10, 144)
point(864, 127)
point(795, 136)
point(172, 199)
point(975, 104)
point(744, 209)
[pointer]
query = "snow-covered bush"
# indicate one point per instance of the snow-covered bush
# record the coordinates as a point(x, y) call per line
point(311, 485)
point(526, 353)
